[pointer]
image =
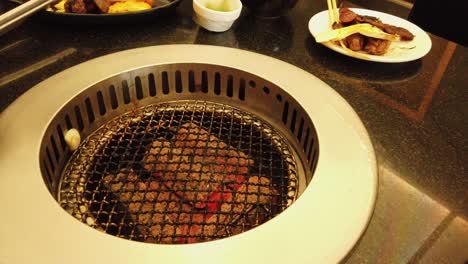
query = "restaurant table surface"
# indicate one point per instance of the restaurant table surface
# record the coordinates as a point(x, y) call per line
point(415, 112)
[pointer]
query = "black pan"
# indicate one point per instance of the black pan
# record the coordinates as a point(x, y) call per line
point(161, 8)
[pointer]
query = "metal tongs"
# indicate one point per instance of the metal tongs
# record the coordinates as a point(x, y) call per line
point(10, 18)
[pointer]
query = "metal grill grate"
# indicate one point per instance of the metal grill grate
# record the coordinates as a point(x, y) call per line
point(180, 172)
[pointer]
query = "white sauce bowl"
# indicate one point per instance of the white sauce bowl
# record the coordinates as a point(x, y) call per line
point(213, 20)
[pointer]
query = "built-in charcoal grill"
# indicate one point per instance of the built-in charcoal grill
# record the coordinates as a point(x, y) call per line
point(180, 172)
point(190, 154)
point(180, 153)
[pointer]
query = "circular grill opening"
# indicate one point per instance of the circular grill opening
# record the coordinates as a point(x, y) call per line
point(180, 153)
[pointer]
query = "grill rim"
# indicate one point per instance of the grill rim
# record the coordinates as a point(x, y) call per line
point(18, 142)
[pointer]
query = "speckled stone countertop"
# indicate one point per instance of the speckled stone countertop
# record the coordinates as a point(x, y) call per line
point(416, 113)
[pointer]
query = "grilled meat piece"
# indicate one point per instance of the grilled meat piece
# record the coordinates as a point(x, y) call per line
point(346, 15)
point(369, 20)
point(402, 32)
point(81, 6)
point(390, 29)
point(373, 46)
point(376, 46)
point(355, 42)
point(91, 7)
point(75, 6)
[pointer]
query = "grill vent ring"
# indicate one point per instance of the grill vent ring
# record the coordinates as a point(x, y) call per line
point(196, 85)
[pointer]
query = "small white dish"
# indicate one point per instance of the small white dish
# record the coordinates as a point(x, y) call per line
point(399, 51)
point(208, 14)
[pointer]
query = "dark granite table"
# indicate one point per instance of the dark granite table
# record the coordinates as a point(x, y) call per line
point(416, 113)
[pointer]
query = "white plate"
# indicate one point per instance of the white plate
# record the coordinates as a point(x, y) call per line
point(398, 50)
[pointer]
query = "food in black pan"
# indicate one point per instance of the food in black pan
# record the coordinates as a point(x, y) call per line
point(100, 6)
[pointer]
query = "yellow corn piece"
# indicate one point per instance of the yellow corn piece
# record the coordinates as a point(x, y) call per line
point(60, 6)
point(128, 6)
point(364, 29)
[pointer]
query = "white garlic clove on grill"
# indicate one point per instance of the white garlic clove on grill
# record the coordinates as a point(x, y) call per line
point(73, 138)
point(83, 208)
point(90, 221)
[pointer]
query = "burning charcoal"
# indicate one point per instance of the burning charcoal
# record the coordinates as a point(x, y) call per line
point(155, 230)
point(153, 186)
point(157, 218)
point(150, 205)
point(199, 228)
point(151, 196)
point(252, 218)
point(158, 153)
point(215, 185)
point(141, 186)
point(147, 207)
point(195, 165)
point(189, 185)
point(234, 181)
point(134, 207)
point(129, 186)
point(256, 191)
point(116, 187)
point(125, 196)
point(143, 219)
point(201, 142)
point(165, 232)
point(260, 186)
point(138, 196)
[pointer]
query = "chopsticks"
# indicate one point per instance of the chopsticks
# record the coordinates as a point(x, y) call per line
point(8, 19)
point(333, 16)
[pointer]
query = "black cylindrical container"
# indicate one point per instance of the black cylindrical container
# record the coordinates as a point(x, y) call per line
point(269, 8)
